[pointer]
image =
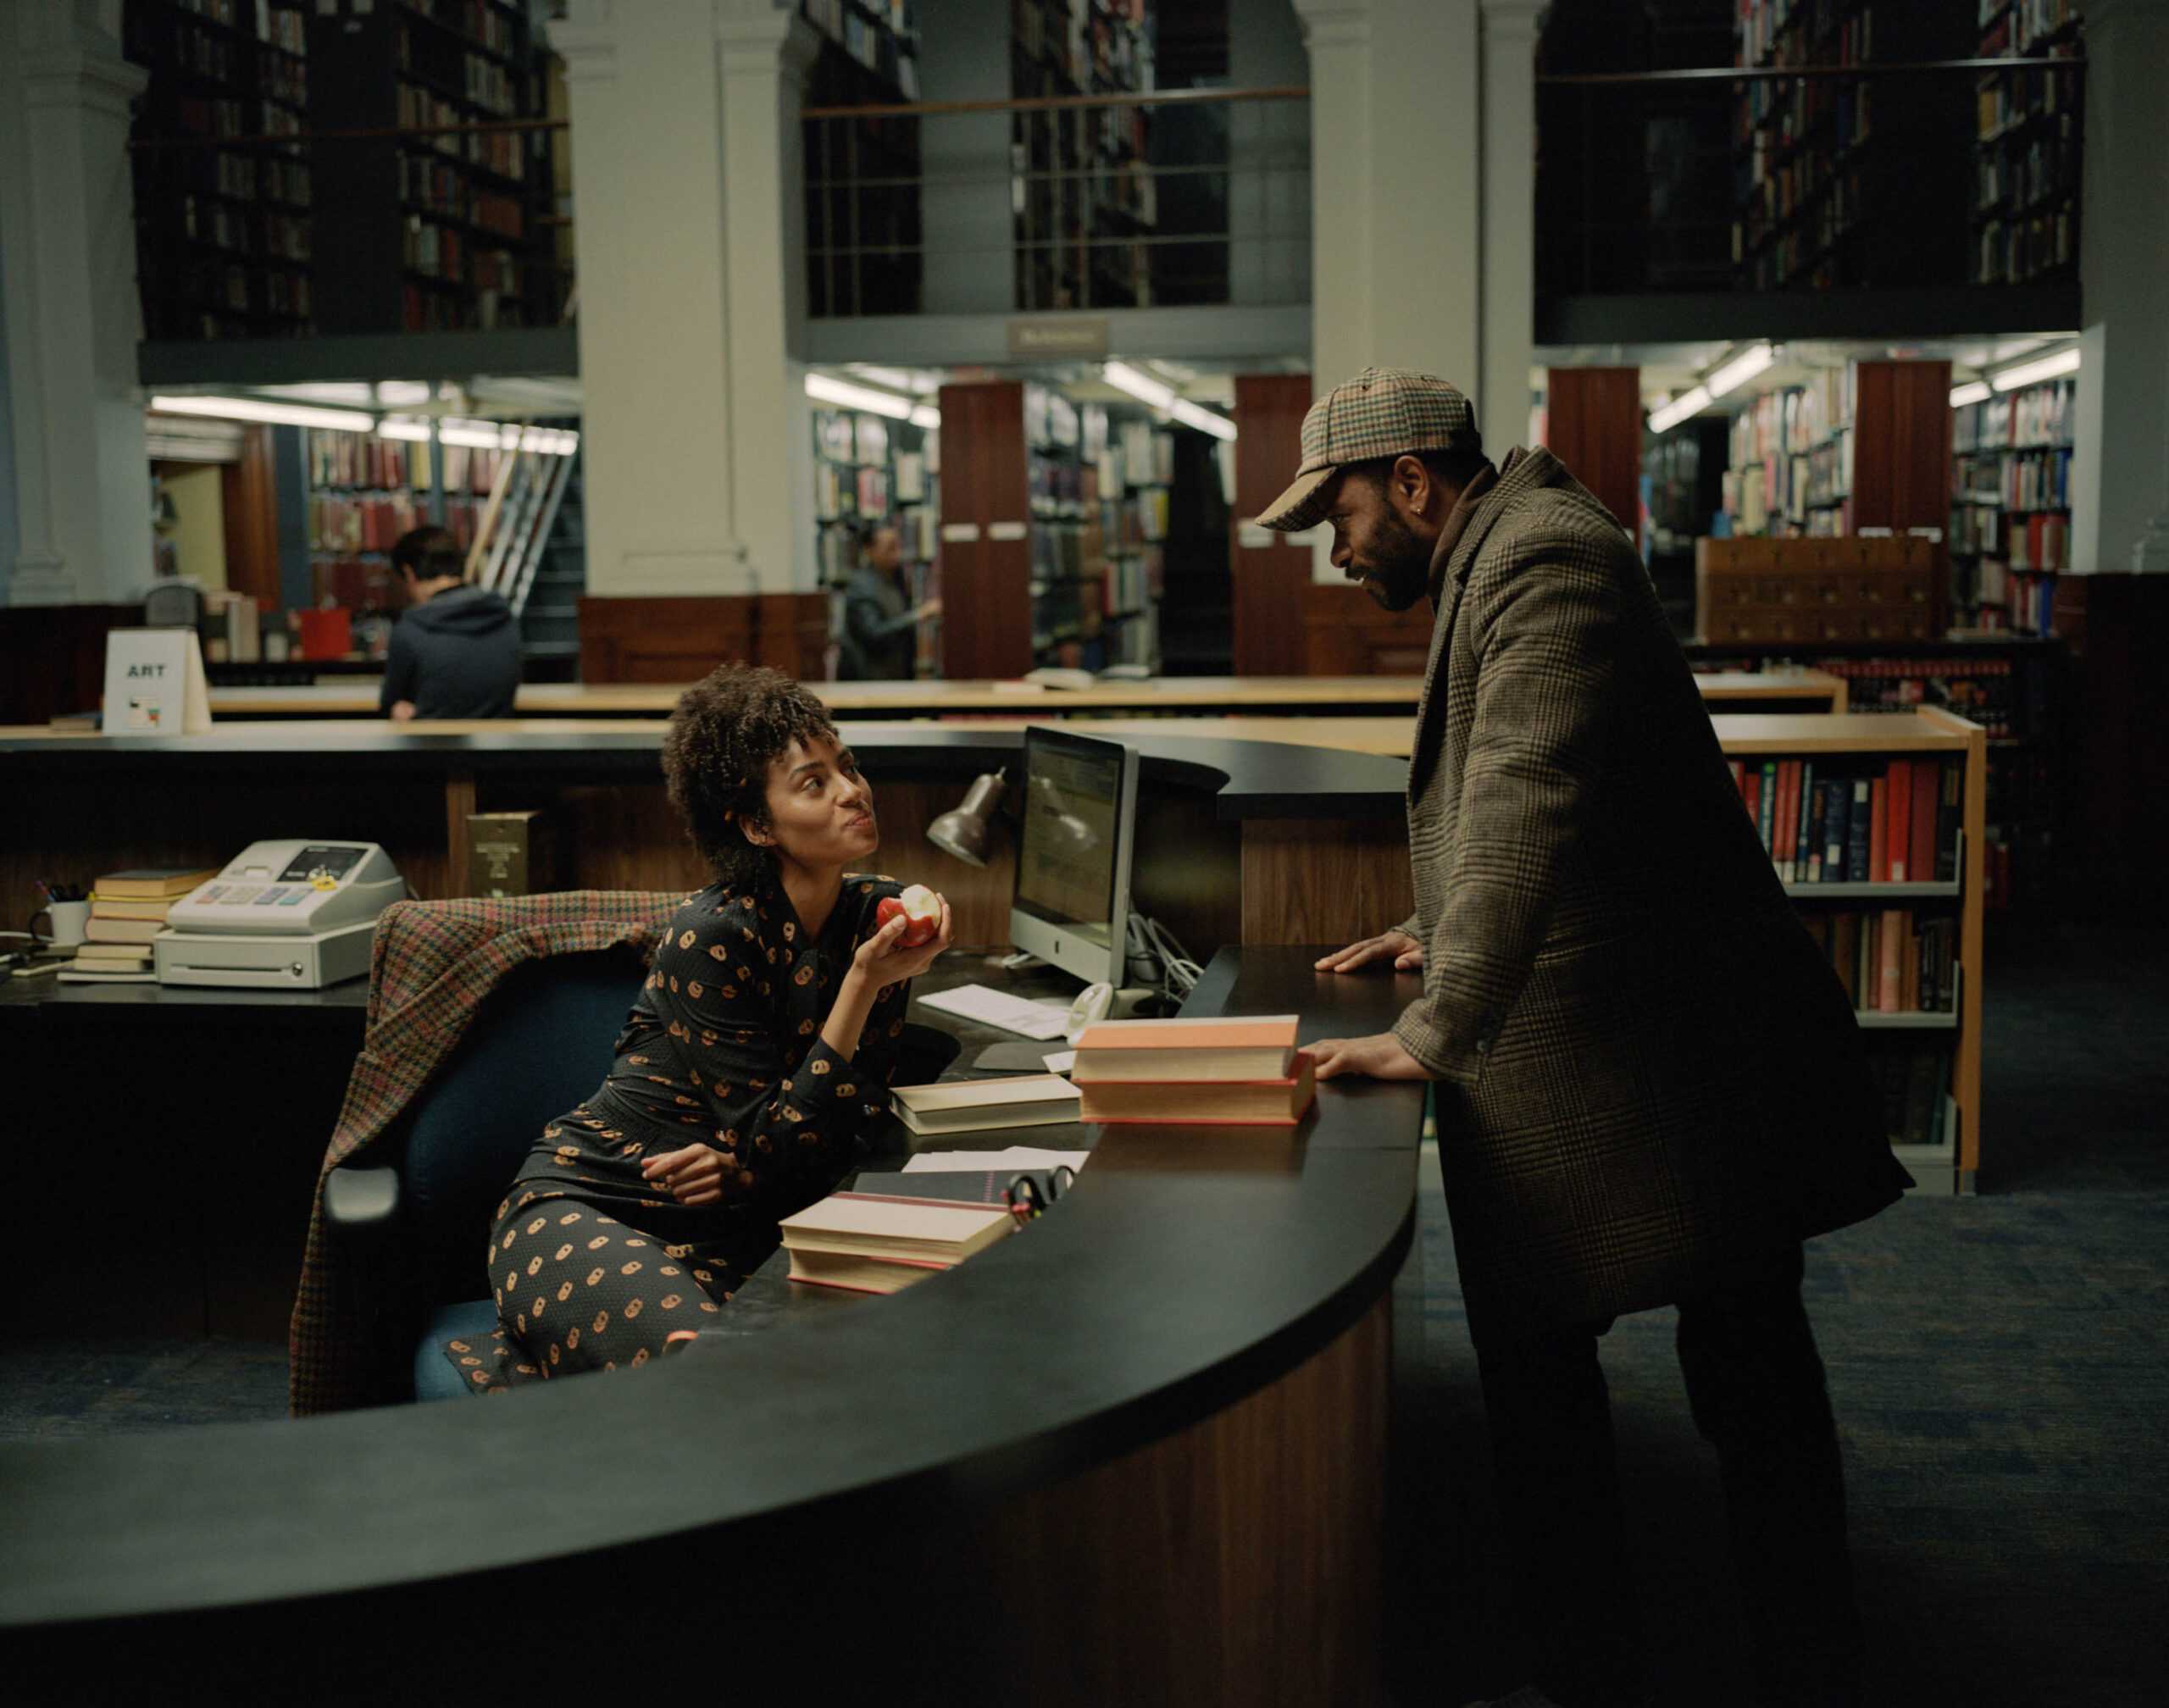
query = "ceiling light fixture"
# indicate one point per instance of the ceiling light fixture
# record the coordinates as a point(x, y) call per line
point(274, 415)
point(845, 396)
point(1973, 391)
point(1740, 369)
point(2030, 372)
point(1688, 403)
point(1147, 389)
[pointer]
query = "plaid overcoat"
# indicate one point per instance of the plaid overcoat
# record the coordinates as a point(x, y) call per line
point(1649, 1074)
point(431, 964)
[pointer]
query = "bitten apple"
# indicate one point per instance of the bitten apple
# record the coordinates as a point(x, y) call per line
point(921, 911)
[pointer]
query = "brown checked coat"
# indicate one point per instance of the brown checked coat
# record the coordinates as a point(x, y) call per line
point(1649, 1073)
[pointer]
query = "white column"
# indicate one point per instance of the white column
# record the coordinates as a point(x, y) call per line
point(82, 468)
point(1397, 231)
point(1509, 33)
point(685, 180)
point(2121, 436)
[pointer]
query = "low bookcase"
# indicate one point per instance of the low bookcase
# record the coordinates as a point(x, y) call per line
point(1928, 1050)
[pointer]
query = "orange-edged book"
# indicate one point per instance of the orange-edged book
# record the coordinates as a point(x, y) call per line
point(1200, 1102)
point(1898, 821)
point(1890, 955)
point(127, 908)
point(1925, 793)
point(860, 1271)
point(915, 1232)
point(153, 881)
point(1258, 1048)
point(1878, 838)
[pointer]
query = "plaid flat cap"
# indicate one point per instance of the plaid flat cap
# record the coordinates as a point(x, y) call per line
point(1382, 412)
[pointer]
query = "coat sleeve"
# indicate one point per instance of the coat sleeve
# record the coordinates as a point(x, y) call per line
point(869, 625)
point(1546, 611)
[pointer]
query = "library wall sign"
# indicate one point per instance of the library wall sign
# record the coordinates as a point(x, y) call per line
point(1059, 335)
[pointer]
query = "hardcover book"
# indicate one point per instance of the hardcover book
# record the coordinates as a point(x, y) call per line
point(1209, 1102)
point(1258, 1048)
point(967, 1106)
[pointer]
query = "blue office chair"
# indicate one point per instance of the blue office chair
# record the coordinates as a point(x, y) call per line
point(539, 1044)
point(416, 1225)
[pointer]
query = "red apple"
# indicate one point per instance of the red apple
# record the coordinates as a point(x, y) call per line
point(922, 911)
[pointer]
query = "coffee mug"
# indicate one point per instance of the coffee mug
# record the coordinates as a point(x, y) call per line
point(67, 921)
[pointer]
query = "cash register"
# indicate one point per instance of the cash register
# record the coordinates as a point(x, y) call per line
point(293, 915)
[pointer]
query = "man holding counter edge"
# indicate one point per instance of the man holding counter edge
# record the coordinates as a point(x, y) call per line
point(1651, 1088)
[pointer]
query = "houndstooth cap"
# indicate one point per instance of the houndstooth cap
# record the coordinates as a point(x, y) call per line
point(1382, 412)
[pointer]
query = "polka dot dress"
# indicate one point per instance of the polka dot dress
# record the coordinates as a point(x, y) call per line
point(591, 1264)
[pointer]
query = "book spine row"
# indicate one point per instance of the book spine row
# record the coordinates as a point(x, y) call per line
point(1915, 1089)
point(1891, 961)
point(1842, 823)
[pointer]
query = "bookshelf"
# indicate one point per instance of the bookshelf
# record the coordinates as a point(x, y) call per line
point(2011, 507)
point(1099, 477)
point(363, 493)
point(864, 227)
point(223, 236)
point(871, 469)
point(1790, 458)
point(1084, 184)
point(1821, 162)
point(2029, 144)
point(439, 232)
point(1926, 1048)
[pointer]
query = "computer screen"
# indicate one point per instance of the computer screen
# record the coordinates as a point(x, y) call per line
point(1071, 904)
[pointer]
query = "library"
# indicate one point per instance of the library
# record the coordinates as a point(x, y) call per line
point(950, 359)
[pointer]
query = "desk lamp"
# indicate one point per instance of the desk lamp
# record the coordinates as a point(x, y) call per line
point(966, 831)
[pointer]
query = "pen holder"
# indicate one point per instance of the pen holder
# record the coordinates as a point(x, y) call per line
point(66, 921)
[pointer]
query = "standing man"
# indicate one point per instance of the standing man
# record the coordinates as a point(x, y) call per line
point(456, 651)
point(1651, 1088)
point(879, 642)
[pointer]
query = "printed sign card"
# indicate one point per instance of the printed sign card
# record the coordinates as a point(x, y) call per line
point(155, 684)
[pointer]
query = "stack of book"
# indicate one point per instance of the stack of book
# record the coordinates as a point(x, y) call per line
point(128, 909)
point(867, 1242)
point(970, 1106)
point(1235, 1072)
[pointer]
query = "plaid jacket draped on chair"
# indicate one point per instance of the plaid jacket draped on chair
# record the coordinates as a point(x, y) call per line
point(432, 964)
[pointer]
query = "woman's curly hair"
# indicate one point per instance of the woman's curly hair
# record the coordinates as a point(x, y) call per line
point(725, 733)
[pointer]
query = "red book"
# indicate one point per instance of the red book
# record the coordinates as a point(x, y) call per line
point(1927, 791)
point(1879, 812)
point(1788, 819)
point(1751, 794)
point(1898, 822)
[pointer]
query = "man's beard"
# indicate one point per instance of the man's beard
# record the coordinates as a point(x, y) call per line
point(1399, 572)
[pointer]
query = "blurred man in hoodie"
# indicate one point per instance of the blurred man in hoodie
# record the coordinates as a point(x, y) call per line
point(455, 652)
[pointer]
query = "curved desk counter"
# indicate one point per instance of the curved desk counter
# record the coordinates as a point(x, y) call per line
point(1134, 1454)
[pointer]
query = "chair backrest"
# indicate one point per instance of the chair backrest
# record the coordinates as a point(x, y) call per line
point(539, 1044)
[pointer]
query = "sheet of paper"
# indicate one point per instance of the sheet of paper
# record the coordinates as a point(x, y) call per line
point(1061, 1060)
point(985, 1162)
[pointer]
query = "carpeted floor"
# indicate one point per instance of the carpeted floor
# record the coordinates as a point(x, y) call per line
point(2000, 1367)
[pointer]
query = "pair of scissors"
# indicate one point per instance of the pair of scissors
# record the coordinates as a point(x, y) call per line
point(1028, 1198)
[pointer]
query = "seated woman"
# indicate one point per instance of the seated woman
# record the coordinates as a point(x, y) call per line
point(750, 1071)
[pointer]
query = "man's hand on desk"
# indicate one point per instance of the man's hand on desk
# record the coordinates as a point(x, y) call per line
point(694, 1174)
point(1379, 1056)
point(1406, 952)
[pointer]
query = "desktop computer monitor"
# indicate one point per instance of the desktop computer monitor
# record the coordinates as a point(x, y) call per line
point(1071, 904)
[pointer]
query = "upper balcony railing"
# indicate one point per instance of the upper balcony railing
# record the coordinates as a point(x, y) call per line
point(1090, 202)
point(1948, 173)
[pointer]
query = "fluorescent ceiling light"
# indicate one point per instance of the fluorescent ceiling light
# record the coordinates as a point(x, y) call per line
point(2028, 373)
point(845, 396)
point(403, 394)
point(1205, 420)
point(1142, 387)
point(898, 380)
point(1688, 403)
point(1147, 389)
point(258, 409)
point(1974, 391)
point(394, 427)
point(1740, 369)
point(926, 416)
